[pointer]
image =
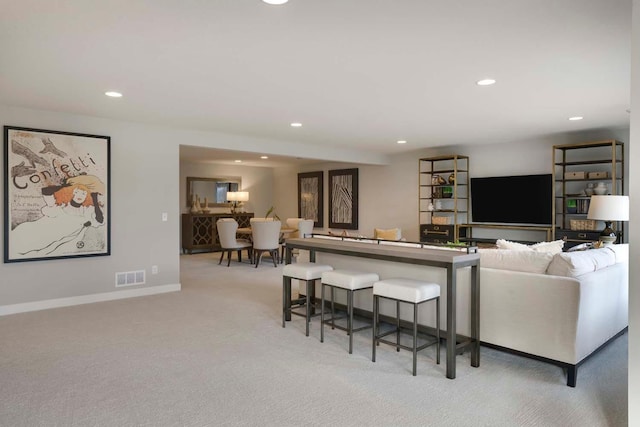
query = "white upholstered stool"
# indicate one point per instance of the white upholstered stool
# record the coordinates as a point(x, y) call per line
point(308, 272)
point(350, 281)
point(410, 291)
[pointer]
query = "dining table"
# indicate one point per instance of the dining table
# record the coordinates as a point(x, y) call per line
point(246, 231)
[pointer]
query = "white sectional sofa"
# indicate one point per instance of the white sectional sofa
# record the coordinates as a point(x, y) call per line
point(560, 308)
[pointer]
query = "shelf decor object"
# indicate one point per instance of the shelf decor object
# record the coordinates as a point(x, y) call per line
point(609, 209)
point(580, 173)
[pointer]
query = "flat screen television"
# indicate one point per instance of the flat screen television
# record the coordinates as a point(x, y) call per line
point(520, 199)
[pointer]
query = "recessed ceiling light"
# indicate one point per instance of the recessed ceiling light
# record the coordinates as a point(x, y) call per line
point(264, 157)
point(238, 161)
point(573, 119)
point(275, 2)
point(113, 94)
point(485, 82)
point(296, 125)
point(402, 142)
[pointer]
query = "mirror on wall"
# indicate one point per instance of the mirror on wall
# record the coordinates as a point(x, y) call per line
point(214, 189)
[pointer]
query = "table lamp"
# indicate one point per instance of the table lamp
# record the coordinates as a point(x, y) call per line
point(235, 197)
point(609, 209)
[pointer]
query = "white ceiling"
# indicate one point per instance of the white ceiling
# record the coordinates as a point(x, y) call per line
point(357, 73)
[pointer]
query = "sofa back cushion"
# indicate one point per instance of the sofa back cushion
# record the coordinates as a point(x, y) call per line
point(506, 259)
point(574, 264)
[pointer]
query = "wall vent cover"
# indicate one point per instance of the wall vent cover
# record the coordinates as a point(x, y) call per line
point(130, 278)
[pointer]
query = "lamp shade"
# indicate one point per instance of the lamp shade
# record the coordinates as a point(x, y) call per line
point(238, 196)
point(609, 208)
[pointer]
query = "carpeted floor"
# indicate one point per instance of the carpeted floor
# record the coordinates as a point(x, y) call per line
point(215, 354)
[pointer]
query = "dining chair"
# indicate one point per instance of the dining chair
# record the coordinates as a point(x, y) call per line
point(305, 228)
point(227, 228)
point(266, 238)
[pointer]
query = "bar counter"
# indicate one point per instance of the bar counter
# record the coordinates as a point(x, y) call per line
point(441, 258)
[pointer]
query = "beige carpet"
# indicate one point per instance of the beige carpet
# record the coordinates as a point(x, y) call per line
point(215, 354)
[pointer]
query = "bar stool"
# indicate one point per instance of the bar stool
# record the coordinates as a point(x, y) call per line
point(410, 291)
point(308, 272)
point(350, 281)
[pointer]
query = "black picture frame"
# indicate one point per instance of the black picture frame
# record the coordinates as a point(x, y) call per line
point(343, 199)
point(311, 197)
point(57, 194)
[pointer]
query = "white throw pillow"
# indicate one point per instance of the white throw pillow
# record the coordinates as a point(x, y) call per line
point(514, 246)
point(524, 260)
point(574, 264)
point(554, 247)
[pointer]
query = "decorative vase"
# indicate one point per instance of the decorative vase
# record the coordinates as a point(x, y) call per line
point(452, 179)
point(600, 189)
point(589, 190)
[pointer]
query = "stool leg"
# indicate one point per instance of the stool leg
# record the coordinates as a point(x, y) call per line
point(308, 304)
point(374, 327)
point(438, 330)
point(415, 336)
point(333, 314)
point(286, 298)
point(398, 325)
point(322, 312)
point(350, 320)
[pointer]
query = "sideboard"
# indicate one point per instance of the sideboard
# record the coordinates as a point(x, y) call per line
point(199, 231)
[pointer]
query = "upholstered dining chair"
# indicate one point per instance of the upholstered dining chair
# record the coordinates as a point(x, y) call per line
point(305, 228)
point(227, 228)
point(266, 238)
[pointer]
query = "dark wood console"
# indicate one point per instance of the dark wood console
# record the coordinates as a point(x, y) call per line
point(199, 230)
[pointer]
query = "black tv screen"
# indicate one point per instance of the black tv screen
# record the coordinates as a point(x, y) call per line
point(522, 199)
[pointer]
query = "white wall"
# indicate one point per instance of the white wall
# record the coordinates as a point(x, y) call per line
point(144, 183)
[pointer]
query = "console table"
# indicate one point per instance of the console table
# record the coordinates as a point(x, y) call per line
point(467, 236)
point(199, 231)
point(450, 260)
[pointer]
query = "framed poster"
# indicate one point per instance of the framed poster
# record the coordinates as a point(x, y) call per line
point(56, 195)
point(310, 197)
point(343, 199)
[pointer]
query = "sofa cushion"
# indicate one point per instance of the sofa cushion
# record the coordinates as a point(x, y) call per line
point(574, 264)
point(528, 261)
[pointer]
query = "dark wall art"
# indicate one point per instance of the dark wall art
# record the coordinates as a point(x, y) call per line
point(56, 194)
point(310, 197)
point(343, 199)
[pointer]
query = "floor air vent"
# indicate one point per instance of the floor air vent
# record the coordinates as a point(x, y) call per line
point(130, 278)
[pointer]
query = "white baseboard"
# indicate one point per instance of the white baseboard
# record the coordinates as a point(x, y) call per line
point(86, 299)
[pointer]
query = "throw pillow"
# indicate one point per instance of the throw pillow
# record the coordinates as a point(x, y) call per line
point(514, 246)
point(554, 247)
point(390, 234)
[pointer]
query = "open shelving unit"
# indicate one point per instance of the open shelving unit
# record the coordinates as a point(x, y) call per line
point(574, 167)
point(443, 205)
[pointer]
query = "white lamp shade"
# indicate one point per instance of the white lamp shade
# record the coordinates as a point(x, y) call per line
point(609, 208)
point(238, 196)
